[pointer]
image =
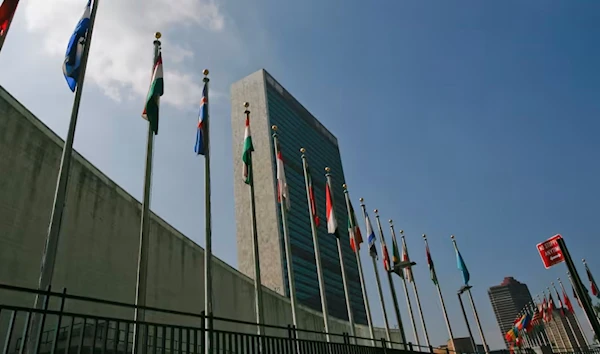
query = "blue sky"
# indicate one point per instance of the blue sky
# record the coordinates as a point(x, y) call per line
point(473, 118)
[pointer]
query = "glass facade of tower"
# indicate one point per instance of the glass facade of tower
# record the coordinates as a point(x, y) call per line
point(298, 128)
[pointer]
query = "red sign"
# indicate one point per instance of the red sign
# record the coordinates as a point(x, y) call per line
point(550, 251)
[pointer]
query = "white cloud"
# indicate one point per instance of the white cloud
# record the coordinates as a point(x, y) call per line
point(121, 54)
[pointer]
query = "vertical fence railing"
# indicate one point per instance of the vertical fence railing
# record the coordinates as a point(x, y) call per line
point(67, 329)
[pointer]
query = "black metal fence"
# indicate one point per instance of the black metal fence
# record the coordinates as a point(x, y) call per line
point(83, 325)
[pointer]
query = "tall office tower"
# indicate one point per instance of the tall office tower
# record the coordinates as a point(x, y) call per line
point(508, 299)
point(271, 104)
point(564, 331)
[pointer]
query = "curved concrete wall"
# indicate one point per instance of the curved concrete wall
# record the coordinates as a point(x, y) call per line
point(100, 235)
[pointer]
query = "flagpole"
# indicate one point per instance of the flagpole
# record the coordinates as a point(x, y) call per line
point(361, 277)
point(546, 334)
point(579, 303)
point(208, 293)
point(462, 307)
point(142, 266)
point(540, 331)
point(439, 290)
point(586, 300)
point(341, 256)
point(552, 319)
point(538, 337)
point(468, 290)
point(391, 282)
point(408, 303)
point(3, 36)
point(587, 303)
point(286, 240)
point(574, 315)
point(533, 335)
point(566, 317)
point(549, 332)
point(258, 301)
point(538, 334)
point(414, 284)
point(313, 228)
point(52, 238)
point(380, 291)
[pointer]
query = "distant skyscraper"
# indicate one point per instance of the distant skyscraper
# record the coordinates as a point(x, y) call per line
point(508, 299)
point(271, 104)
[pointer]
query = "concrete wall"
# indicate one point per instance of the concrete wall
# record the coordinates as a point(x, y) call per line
point(100, 233)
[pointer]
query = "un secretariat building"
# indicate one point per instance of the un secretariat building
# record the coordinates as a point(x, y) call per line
point(271, 104)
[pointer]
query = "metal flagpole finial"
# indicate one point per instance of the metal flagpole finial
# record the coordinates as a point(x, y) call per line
point(552, 283)
point(376, 212)
point(205, 73)
point(327, 170)
point(345, 186)
point(274, 128)
point(402, 232)
point(424, 237)
point(303, 151)
point(157, 36)
point(391, 222)
point(246, 105)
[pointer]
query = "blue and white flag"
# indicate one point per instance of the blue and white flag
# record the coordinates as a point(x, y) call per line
point(460, 263)
point(200, 147)
point(370, 236)
point(74, 53)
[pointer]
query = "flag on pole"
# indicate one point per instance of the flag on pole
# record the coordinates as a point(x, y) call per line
point(154, 92)
point(431, 266)
point(370, 236)
point(551, 307)
point(593, 286)
point(460, 262)
point(7, 12)
point(560, 304)
point(311, 194)
point(200, 147)
point(408, 270)
point(247, 152)
point(283, 195)
point(576, 298)
point(545, 310)
point(536, 316)
point(568, 302)
point(331, 220)
point(73, 56)
point(396, 257)
point(386, 256)
point(353, 230)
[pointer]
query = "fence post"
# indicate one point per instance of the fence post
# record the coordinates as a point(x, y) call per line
point(410, 346)
point(59, 320)
point(290, 343)
point(383, 345)
point(40, 330)
point(202, 332)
